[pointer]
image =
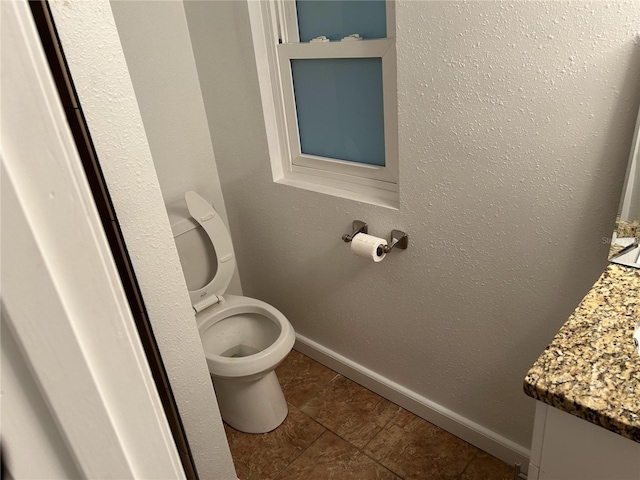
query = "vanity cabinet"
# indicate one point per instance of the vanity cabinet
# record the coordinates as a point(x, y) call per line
point(587, 381)
point(566, 447)
point(590, 373)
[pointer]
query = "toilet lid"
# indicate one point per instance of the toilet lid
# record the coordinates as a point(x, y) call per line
point(214, 227)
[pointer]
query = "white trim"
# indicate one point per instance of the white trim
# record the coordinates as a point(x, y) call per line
point(385, 177)
point(288, 21)
point(330, 167)
point(62, 296)
point(338, 174)
point(371, 48)
point(450, 421)
point(264, 28)
point(390, 108)
point(391, 18)
point(374, 176)
point(269, 20)
point(629, 209)
point(337, 188)
point(539, 425)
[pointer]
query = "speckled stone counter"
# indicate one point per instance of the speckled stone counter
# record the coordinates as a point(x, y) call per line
point(591, 368)
point(626, 228)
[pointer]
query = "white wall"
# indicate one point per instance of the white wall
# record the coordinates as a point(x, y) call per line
point(515, 126)
point(156, 44)
point(94, 54)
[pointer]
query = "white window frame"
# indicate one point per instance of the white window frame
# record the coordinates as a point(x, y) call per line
point(276, 42)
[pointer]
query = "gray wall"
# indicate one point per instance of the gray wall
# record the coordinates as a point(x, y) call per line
point(515, 122)
point(96, 60)
point(157, 48)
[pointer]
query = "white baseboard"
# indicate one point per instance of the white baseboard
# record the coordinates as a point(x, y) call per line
point(483, 438)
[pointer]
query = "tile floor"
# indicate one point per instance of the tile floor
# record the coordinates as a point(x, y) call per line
point(337, 429)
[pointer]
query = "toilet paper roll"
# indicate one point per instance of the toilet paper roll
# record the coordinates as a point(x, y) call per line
point(368, 246)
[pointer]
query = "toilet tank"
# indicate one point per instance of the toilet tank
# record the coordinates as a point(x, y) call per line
point(197, 255)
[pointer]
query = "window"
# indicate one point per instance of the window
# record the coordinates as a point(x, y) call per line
point(327, 72)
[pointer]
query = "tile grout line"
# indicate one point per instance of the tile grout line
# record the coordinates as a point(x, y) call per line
point(307, 448)
point(383, 466)
point(371, 440)
point(316, 394)
point(467, 465)
point(360, 450)
point(384, 426)
point(327, 429)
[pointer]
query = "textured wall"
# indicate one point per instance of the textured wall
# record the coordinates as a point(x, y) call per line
point(94, 54)
point(515, 127)
point(156, 44)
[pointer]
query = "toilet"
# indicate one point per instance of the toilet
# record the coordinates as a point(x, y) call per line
point(244, 339)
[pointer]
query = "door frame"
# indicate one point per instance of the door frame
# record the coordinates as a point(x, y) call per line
point(62, 300)
point(77, 334)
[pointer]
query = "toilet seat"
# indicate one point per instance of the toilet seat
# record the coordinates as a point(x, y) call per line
point(258, 363)
point(214, 227)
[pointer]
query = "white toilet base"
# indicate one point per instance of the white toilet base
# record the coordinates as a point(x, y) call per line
point(253, 406)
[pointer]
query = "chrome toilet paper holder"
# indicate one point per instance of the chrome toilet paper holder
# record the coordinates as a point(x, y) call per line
point(399, 238)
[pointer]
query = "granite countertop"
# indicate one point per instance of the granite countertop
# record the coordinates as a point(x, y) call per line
point(626, 228)
point(591, 368)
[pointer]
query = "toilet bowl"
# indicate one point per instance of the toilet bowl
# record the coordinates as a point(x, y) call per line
point(244, 339)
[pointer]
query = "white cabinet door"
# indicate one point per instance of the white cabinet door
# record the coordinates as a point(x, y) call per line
point(566, 447)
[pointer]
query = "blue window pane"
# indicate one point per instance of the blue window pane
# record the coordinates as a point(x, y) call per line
point(339, 107)
point(336, 19)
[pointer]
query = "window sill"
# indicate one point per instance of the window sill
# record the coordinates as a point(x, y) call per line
point(336, 188)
